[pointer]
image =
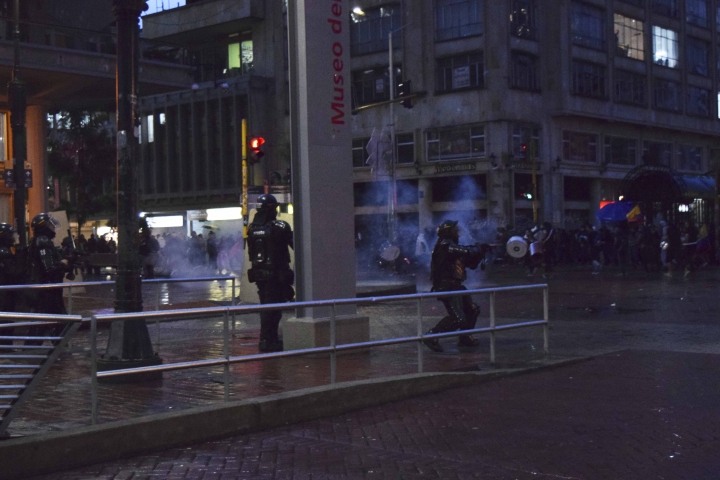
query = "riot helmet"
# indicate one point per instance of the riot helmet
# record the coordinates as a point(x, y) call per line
point(7, 235)
point(44, 224)
point(267, 202)
point(448, 229)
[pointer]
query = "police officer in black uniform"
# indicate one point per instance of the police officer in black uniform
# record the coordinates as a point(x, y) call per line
point(12, 272)
point(269, 241)
point(447, 273)
point(46, 264)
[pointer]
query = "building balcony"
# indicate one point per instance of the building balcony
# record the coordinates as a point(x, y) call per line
point(200, 21)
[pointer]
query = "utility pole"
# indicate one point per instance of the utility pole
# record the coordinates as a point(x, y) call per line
point(533, 158)
point(129, 342)
point(17, 96)
point(392, 204)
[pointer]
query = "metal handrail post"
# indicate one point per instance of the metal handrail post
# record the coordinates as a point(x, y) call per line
point(420, 334)
point(226, 354)
point(93, 370)
point(492, 325)
point(333, 354)
point(546, 317)
point(232, 302)
point(70, 300)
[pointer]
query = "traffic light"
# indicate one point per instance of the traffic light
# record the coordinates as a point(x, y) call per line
point(256, 152)
point(527, 193)
point(404, 90)
point(523, 149)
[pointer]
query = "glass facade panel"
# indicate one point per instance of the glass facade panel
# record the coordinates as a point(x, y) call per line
point(620, 151)
point(522, 18)
point(667, 95)
point(665, 47)
point(588, 79)
point(630, 88)
point(698, 101)
point(629, 37)
point(579, 147)
point(696, 12)
point(458, 19)
point(587, 25)
point(459, 143)
point(697, 56)
point(460, 72)
point(369, 30)
point(689, 158)
point(657, 153)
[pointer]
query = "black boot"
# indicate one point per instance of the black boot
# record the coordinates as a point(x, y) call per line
point(433, 344)
point(270, 346)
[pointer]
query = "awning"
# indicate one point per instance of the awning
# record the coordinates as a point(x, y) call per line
point(697, 186)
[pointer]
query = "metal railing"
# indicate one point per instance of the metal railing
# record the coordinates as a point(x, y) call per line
point(333, 348)
point(77, 285)
point(95, 41)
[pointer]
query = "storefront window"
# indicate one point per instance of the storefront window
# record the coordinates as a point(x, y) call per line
point(458, 143)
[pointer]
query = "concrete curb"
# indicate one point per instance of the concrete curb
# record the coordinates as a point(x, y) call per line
point(36, 455)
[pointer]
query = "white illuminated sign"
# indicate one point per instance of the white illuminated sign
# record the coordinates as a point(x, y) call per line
point(165, 222)
point(229, 213)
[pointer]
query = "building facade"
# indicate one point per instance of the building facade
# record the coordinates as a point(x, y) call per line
point(584, 93)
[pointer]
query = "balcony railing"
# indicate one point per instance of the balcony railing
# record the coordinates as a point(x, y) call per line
point(102, 42)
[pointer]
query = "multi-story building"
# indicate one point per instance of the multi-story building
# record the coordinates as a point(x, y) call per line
point(602, 99)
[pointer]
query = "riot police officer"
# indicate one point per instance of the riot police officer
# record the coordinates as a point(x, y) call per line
point(269, 241)
point(46, 264)
point(12, 272)
point(447, 273)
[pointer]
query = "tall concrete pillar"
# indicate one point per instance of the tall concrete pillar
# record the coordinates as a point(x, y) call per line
point(321, 145)
point(37, 157)
point(425, 200)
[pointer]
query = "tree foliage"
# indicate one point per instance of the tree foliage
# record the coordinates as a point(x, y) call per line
point(81, 154)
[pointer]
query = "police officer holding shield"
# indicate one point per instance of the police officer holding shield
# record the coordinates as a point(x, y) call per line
point(269, 242)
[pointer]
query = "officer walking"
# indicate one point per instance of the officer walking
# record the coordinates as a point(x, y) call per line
point(12, 272)
point(269, 241)
point(447, 273)
point(46, 264)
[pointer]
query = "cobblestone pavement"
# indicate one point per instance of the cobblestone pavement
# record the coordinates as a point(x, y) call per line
point(590, 315)
point(627, 415)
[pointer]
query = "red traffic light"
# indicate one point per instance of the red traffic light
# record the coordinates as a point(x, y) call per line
point(256, 142)
point(256, 153)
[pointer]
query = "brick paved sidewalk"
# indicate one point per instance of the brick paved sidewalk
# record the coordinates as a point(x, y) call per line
point(628, 415)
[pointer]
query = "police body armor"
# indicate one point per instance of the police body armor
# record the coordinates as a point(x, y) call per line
point(268, 251)
point(45, 261)
point(450, 261)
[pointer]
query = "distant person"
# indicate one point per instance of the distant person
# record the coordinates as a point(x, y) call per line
point(447, 273)
point(212, 251)
point(269, 243)
point(12, 272)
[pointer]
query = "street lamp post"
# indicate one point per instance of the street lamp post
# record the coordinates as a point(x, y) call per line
point(17, 96)
point(129, 342)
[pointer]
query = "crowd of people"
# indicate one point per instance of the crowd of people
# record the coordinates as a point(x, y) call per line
point(665, 246)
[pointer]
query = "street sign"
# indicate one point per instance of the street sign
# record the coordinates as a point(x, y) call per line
point(9, 178)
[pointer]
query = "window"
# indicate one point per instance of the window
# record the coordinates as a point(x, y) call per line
point(369, 30)
point(370, 86)
point(405, 148)
point(522, 18)
point(458, 19)
point(588, 79)
point(667, 95)
point(629, 37)
point(359, 155)
point(457, 188)
point(665, 7)
point(657, 153)
point(457, 143)
point(665, 47)
point(697, 56)
point(460, 72)
point(698, 101)
point(524, 73)
point(587, 25)
point(689, 158)
point(240, 56)
point(579, 147)
point(696, 12)
point(630, 88)
point(525, 135)
point(620, 151)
